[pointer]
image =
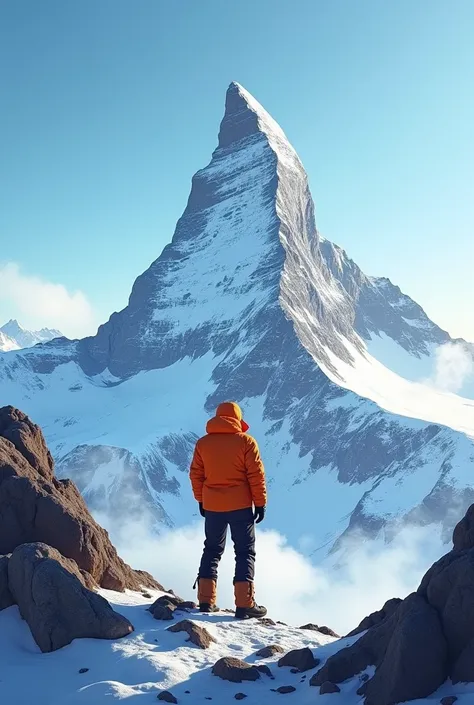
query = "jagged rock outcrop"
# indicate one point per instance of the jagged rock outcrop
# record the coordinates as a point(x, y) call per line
point(463, 535)
point(376, 617)
point(53, 600)
point(417, 643)
point(37, 507)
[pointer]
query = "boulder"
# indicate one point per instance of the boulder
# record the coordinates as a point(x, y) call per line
point(37, 507)
point(235, 670)
point(300, 659)
point(165, 606)
point(449, 700)
point(199, 636)
point(240, 696)
point(6, 598)
point(417, 643)
point(285, 689)
point(322, 630)
point(163, 610)
point(328, 632)
point(328, 688)
point(269, 651)
point(449, 587)
point(408, 650)
point(55, 602)
point(167, 697)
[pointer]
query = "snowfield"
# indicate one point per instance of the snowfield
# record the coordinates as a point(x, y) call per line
point(137, 668)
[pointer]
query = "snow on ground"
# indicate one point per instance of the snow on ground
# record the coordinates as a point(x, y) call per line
point(138, 667)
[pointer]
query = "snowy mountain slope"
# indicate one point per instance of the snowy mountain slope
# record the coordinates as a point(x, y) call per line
point(137, 668)
point(7, 343)
point(23, 338)
point(247, 302)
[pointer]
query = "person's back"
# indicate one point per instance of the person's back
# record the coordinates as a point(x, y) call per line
point(228, 477)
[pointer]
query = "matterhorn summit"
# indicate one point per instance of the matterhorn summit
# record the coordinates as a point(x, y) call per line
point(248, 302)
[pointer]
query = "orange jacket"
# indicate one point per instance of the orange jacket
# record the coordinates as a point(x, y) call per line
point(226, 471)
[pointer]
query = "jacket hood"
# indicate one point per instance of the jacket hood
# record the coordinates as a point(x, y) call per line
point(228, 419)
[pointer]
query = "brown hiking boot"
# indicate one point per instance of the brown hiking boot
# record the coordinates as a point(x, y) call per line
point(207, 595)
point(245, 606)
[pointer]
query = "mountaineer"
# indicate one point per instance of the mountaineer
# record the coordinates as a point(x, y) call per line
point(228, 481)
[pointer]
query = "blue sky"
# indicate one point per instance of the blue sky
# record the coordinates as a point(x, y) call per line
point(109, 107)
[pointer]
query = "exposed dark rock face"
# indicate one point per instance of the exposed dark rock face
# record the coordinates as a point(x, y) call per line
point(417, 643)
point(36, 507)
point(376, 617)
point(6, 598)
point(199, 636)
point(463, 536)
point(55, 603)
point(408, 650)
point(300, 659)
point(235, 670)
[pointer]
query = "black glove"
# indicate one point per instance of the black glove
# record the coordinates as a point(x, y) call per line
point(259, 514)
point(201, 510)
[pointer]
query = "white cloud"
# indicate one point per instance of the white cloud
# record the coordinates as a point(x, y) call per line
point(293, 588)
point(38, 303)
point(453, 367)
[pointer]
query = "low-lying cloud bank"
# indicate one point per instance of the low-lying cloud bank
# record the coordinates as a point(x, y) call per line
point(293, 588)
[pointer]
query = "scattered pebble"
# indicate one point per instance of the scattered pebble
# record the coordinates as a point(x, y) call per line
point(83, 670)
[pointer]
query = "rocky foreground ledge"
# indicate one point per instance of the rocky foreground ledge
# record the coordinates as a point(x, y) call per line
point(53, 553)
point(54, 556)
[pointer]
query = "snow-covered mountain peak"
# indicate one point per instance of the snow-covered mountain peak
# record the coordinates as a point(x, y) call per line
point(23, 338)
point(7, 343)
point(245, 116)
point(247, 302)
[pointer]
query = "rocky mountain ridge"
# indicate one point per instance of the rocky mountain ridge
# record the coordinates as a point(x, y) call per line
point(248, 302)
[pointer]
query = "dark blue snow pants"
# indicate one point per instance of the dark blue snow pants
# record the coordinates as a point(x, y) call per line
point(242, 531)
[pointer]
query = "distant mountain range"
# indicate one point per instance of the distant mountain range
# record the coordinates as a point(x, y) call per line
point(14, 337)
point(337, 371)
